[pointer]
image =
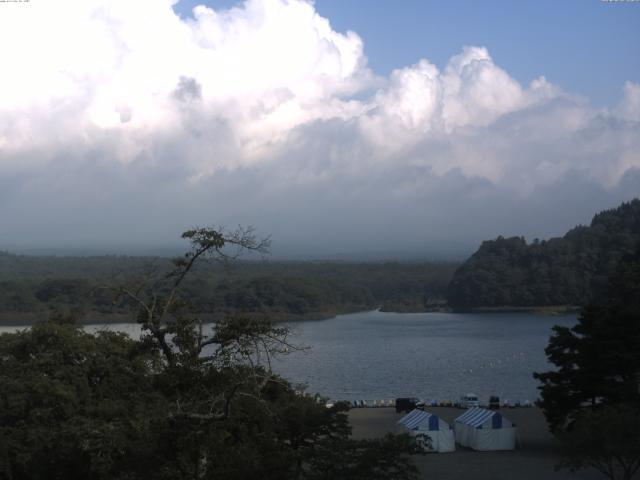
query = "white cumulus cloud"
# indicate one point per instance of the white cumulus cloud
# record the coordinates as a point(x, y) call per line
point(267, 101)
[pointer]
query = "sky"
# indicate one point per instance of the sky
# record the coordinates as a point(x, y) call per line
point(343, 129)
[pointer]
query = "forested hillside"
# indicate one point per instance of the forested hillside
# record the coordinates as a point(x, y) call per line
point(31, 287)
point(571, 270)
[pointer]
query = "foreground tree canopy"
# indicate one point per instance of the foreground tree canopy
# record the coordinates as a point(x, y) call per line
point(179, 403)
point(592, 400)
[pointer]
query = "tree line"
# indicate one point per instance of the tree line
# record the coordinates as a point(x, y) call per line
point(274, 290)
point(571, 270)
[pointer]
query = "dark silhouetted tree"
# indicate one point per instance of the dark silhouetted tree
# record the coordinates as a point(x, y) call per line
point(186, 401)
point(597, 381)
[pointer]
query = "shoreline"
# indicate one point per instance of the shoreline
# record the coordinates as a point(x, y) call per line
point(26, 319)
point(542, 310)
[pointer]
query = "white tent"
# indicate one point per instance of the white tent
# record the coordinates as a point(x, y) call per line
point(483, 430)
point(422, 425)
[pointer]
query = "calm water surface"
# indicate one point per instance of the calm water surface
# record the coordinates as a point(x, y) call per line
point(376, 355)
point(435, 356)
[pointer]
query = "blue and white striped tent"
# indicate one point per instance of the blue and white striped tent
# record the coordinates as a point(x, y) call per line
point(482, 429)
point(421, 424)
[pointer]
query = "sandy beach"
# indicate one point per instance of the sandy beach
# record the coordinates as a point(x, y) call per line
point(533, 460)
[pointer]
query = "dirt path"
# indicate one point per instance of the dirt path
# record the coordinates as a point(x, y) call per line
point(534, 460)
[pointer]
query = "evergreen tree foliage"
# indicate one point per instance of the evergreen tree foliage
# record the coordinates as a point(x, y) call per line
point(592, 399)
point(597, 360)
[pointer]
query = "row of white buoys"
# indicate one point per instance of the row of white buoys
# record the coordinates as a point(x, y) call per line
point(371, 403)
point(433, 403)
point(504, 404)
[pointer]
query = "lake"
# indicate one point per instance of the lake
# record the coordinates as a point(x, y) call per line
point(434, 356)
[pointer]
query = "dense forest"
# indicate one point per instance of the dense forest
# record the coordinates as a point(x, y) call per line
point(33, 286)
point(505, 272)
point(571, 270)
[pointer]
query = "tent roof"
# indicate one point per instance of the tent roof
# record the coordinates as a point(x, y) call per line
point(415, 418)
point(476, 416)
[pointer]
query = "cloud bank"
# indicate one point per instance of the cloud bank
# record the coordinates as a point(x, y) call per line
point(121, 122)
